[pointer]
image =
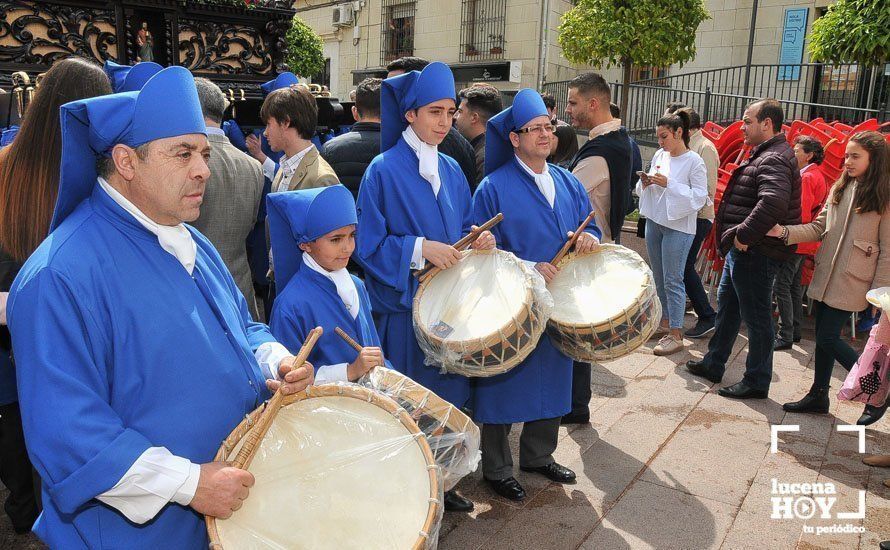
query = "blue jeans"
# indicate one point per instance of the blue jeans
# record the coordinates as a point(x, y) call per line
point(745, 294)
point(668, 249)
point(691, 279)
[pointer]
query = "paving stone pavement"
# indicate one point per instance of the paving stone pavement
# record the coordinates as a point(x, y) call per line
point(667, 463)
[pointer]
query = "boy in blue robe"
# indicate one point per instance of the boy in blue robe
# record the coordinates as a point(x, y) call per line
point(135, 352)
point(542, 205)
point(313, 237)
point(413, 202)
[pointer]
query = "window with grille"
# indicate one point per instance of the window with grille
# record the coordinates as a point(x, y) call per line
point(482, 29)
point(397, 28)
point(648, 72)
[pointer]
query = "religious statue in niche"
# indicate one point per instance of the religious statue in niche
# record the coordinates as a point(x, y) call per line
point(144, 44)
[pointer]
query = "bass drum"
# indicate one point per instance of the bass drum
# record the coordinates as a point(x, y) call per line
point(605, 304)
point(340, 466)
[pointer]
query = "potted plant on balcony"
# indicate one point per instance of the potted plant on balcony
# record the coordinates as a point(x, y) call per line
point(497, 41)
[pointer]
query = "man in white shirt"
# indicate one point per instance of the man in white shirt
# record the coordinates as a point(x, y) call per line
point(136, 352)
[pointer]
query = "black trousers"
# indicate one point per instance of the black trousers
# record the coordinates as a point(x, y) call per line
point(536, 445)
point(15, 470)
point(581, 392)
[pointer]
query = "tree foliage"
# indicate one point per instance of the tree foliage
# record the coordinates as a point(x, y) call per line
point(853, 31)
point(304, 49)
point(607, 33)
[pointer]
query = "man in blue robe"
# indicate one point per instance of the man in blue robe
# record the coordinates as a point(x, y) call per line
point(413, 202)
point(313, 237)
point(135, 352)
point(542, 205)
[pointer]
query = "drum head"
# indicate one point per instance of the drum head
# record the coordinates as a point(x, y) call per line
point(335, 472)
point(474, 299)
point(593, 288)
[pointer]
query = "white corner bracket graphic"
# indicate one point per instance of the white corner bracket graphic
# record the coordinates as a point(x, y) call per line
point(774, 432)
point(854, 428)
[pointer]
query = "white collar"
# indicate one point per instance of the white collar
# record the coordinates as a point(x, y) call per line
point(175, 239)
point(342, 280)
point(428, 157)
point(215, 130)
point(290, 164)
point(544, 181)
point(805, 168)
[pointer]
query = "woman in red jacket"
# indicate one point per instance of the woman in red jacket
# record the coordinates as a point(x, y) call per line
point(787, 289)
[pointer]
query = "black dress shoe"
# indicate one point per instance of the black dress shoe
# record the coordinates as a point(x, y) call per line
point(699, 369)
point(741, 390)
point(815, 402)
point(575, 418)
point(553, 472)
point(884, 545)
point(508, 488)
point(796, 339)
point(780, 345)
point(456, 503)
point(872, 414)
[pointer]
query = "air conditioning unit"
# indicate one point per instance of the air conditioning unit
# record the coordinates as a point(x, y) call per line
point(343, 15)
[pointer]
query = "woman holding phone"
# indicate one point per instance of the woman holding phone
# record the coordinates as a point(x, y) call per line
point(671, 194)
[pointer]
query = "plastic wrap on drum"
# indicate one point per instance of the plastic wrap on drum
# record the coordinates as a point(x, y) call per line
point(605, 304)
point(342, 466)
point(452, 435)
point(483, 316)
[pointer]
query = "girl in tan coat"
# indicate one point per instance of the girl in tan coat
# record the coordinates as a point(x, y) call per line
point(854, 227)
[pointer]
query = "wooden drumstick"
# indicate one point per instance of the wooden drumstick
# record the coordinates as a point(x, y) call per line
point(255, 435)
point(466, 241)
point(358, 347)
point(568, 246)
point(342, 334)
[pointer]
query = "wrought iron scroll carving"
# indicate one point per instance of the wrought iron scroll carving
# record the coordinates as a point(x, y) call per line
point(39, 33)
point(224, 48)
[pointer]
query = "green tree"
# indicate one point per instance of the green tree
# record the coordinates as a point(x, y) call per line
point(304, 49)
point(853, 31)
point(607, 33)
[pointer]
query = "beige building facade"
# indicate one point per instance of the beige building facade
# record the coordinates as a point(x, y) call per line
point(513, 43)
point(502, 42)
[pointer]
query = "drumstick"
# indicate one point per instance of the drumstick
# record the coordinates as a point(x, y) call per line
point(255, 435)
point(568, 246)
point(461, 244)
point(342, 334)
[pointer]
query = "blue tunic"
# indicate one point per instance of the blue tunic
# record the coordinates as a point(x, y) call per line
point(541, 386)
point(396, 205)
point(310, 300)
point(119, 349)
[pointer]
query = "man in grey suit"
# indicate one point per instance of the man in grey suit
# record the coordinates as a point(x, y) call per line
point(232, 196)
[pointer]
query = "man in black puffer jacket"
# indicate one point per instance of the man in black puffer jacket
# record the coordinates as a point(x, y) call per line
point(351, 153)
point(762, 192)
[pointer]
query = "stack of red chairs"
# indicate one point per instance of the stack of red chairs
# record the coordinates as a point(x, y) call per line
point(732, 151)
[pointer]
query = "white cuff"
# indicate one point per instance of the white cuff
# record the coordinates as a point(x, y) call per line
point(268, 355)
point(157, 478)
point(269, 169)
point(186, 493)
point(529, 263)
point(331, 373)
point(417, 259)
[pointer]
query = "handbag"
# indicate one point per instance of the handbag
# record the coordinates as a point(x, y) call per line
point(869, 379)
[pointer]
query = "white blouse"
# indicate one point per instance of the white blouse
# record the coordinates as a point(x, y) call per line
point(675, 206)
